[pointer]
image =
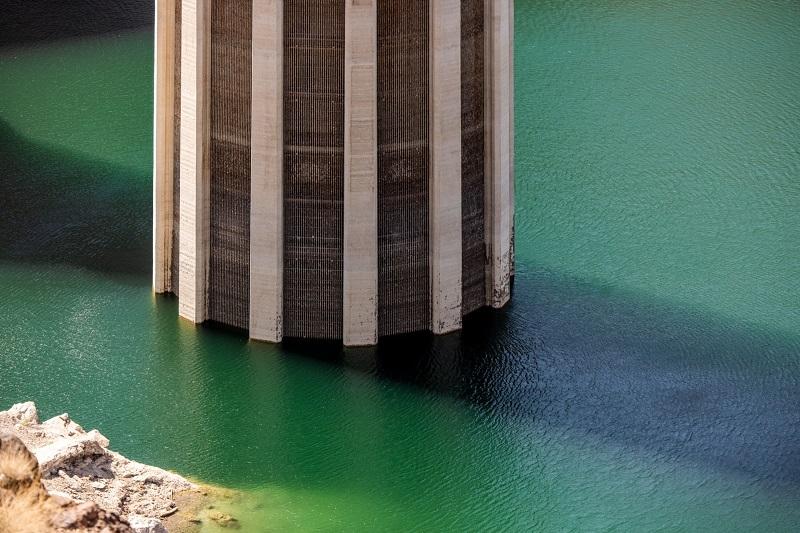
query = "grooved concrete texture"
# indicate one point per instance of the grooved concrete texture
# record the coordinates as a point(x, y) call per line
point(360, 322)
point(440, 113)
point(266, 207)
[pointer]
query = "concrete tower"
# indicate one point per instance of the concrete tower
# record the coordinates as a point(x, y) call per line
point(334, 169)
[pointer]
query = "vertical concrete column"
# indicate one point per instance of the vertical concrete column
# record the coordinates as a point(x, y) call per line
point(512, 114)
point(194, 187)
point(163, 142)
point(445, 154)
point(499, 188)
point(266, 200)
point(360, 321)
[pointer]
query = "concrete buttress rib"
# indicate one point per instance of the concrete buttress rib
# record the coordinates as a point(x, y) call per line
point(360, 278)
point(194, 187)
point(266, 209)
point(445, 181)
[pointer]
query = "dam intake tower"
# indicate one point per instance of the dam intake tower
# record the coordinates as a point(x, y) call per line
point(334, 169)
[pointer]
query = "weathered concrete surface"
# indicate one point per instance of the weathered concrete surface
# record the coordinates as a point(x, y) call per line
point(445, 181)
point(163, 143)
point(194, 186)
point(361, 178)
point(499, 190)
point(360, 276)
point(266, 207)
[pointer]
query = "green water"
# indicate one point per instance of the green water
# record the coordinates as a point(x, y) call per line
point(647, 375)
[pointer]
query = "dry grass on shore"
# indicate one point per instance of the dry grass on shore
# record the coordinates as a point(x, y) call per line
point(23, 500)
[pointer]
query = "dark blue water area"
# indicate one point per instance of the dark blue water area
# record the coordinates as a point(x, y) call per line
point(61, 207)
point(621, 369)
point(30, 21)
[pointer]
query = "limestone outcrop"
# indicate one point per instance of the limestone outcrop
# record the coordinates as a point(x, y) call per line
point(71, 481)
point(27, 507)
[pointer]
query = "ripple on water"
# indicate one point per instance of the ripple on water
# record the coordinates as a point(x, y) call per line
point(646, 373)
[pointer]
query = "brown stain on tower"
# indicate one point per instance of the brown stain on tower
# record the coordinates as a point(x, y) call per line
point(229, 260)
point(175, 266)
point(473, 154)
point(403, 167)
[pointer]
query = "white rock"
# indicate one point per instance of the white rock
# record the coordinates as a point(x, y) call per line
point(149, 477)
point(64, 496)
point(23, 413)
point(144, 524)
point(65, 450)
point(63, 426)
point(99, 438)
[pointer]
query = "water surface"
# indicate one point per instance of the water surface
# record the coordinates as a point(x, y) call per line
point(647, 374)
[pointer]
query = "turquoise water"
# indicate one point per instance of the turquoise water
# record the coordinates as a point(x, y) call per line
point(646, 376)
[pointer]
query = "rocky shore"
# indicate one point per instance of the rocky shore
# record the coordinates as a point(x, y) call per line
point(68, 480)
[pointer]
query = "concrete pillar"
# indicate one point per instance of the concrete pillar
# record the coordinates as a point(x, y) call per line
point(163, 151)
point(512, 113)
point(360, 322)
point(194, 186)
point(266, 200)
point(499, 189)
point(445, 165)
